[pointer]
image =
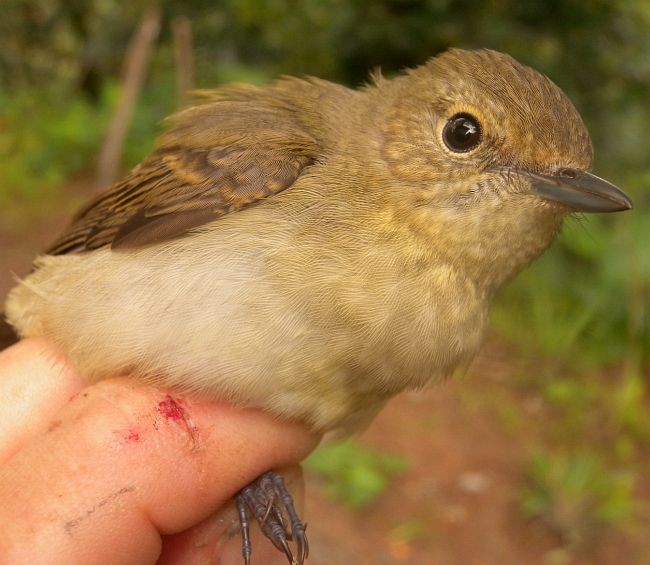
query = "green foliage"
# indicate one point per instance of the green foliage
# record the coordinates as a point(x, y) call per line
point(412, 530)
point(48, 136)
point(577, 495)
point(629, 412)
point(355, 474)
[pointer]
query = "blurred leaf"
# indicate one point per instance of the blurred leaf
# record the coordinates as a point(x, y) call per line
point(576, 495)
point(355, 474)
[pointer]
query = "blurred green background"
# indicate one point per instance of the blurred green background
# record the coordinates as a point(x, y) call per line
point(575, 324)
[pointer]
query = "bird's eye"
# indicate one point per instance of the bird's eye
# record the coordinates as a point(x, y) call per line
point(462, 133)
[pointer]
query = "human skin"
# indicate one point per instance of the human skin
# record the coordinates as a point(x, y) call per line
point(123, 472)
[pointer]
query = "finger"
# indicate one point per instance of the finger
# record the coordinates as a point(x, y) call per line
point(127, 463)
point(36, 381)
point(218, 538)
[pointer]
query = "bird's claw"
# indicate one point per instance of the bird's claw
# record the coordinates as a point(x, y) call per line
point(270, 503)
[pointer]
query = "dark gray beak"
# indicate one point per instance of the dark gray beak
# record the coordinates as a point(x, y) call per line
point(581, 191)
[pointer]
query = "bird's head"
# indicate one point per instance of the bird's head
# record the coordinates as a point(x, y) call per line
point(494, 155)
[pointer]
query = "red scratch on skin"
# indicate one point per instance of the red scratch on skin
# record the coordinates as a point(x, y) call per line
point(172, 409)
point(130, 436)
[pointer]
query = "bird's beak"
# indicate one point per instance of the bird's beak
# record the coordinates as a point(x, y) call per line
point(580, 190)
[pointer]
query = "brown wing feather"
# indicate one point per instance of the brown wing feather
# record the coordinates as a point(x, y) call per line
point(182, 186)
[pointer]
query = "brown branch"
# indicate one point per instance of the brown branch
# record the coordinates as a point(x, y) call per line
point(183, 57)
point(136, 62)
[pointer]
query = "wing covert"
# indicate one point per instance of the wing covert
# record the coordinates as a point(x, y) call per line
point(184, 183)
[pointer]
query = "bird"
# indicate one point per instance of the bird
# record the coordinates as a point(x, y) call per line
point(313, 249)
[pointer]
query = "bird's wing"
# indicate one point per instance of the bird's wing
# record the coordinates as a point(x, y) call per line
point(212, 163)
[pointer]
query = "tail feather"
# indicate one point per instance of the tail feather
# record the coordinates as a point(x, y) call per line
point(8, 335)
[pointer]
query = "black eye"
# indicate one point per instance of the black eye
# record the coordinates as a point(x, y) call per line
point(462, 133)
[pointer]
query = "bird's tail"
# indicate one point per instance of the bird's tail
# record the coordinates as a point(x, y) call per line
point(7, 334)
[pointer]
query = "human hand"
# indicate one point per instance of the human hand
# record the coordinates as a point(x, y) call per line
point(122, 472)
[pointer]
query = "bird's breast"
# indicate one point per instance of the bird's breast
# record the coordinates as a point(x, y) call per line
point(323, 331)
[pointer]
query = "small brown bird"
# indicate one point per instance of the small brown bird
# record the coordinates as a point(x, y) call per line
point(312, 249)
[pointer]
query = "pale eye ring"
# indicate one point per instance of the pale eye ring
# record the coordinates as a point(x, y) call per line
point(462, 133)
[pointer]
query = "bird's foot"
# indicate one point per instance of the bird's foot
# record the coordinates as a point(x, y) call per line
point(269, 502)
